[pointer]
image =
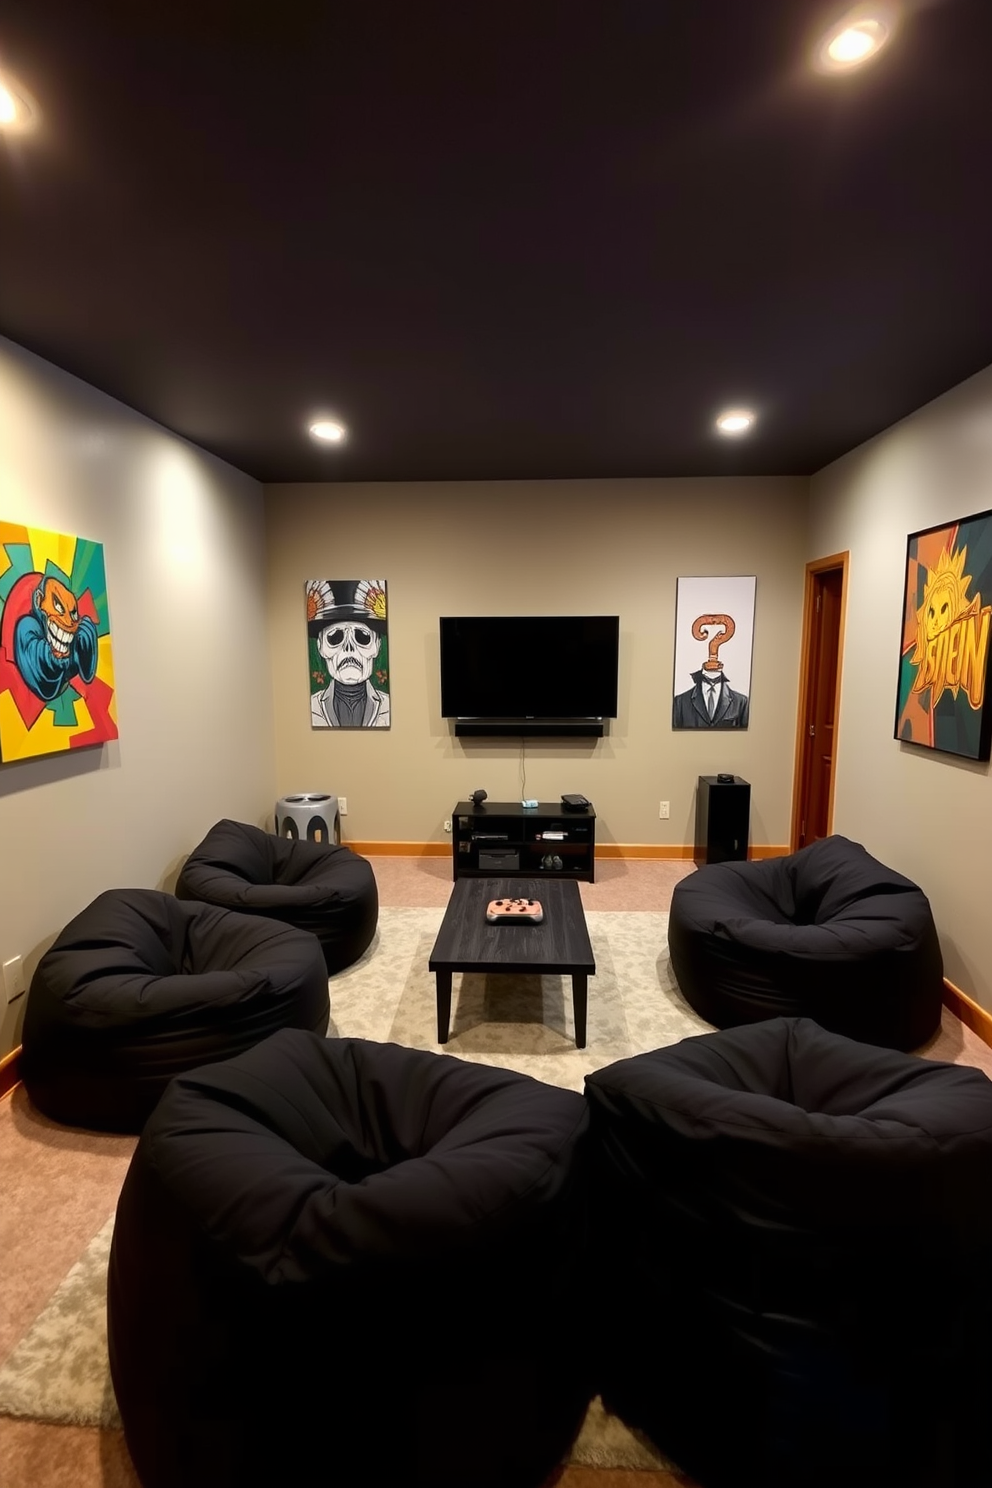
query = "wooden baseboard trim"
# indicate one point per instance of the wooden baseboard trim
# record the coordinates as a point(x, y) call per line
point(400, 849)
point(628, 850)
point(10, 1071)
point(646, 851)
point(678, 852)
point(971, 1013)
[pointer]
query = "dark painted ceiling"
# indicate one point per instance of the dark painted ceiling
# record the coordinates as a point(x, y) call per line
point(500, 240)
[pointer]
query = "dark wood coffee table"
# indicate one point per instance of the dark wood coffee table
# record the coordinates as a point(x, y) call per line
point(465, 942)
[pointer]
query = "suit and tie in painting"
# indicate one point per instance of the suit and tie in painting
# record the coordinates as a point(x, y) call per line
point(710, 703)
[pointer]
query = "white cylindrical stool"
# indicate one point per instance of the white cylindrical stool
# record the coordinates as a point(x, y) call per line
point(309, 816)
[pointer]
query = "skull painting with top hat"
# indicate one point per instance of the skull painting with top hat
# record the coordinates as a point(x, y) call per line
point(346, 623)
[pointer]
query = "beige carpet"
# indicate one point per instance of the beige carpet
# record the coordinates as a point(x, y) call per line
point(59, 1373)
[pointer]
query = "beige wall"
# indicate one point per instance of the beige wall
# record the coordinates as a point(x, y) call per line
point(183, 537)
point(928, 814)
point(542, 547)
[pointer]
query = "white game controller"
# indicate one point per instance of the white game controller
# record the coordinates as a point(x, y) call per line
point(514, 911)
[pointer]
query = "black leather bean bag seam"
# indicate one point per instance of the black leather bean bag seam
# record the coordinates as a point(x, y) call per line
point(140, 987)
point(270, 1320)
point(802, 1282)
point(827, 933)
point(317, 886)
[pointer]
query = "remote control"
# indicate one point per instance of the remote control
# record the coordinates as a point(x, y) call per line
point(514, 911)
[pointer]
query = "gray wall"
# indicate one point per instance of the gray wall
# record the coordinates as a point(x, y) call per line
point(184, 547)
point(928, 814)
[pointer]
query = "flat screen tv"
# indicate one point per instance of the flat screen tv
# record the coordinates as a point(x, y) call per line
point(529, 674)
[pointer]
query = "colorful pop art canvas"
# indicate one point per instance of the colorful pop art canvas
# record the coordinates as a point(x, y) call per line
point(943, 696)
point(56, 659)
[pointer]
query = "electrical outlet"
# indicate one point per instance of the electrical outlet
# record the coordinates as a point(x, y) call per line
point(343, 805)
point(447, 824)
point(663, 810)
point(13, 978)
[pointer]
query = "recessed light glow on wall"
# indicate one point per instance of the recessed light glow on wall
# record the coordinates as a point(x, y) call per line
point(856, 38)
point(328, 431)
point(18, 113)
point(735, 421)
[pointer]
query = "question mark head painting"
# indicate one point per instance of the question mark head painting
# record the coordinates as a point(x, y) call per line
point(711, 702)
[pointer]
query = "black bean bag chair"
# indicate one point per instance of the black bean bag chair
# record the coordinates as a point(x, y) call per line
point(139, 987)
point(349, 1263)
point(790, 1231)
point(827, 933)
point(317, 886)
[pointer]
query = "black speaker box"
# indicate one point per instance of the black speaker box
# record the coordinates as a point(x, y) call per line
point(723, 817)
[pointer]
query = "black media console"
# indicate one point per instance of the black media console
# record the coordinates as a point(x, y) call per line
point(503, 839)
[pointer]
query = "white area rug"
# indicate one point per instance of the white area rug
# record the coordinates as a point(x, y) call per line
point(520, 1022)
point(59, 1371)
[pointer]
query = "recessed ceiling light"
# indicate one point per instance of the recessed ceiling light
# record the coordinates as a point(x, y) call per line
point(328, 431)
point(856, 38)
point(17, 108)
point(735, 421)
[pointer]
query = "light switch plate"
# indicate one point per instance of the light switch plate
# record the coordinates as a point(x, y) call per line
point(13, 979)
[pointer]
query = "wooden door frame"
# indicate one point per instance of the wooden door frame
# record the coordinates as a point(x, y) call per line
point(813, 570)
